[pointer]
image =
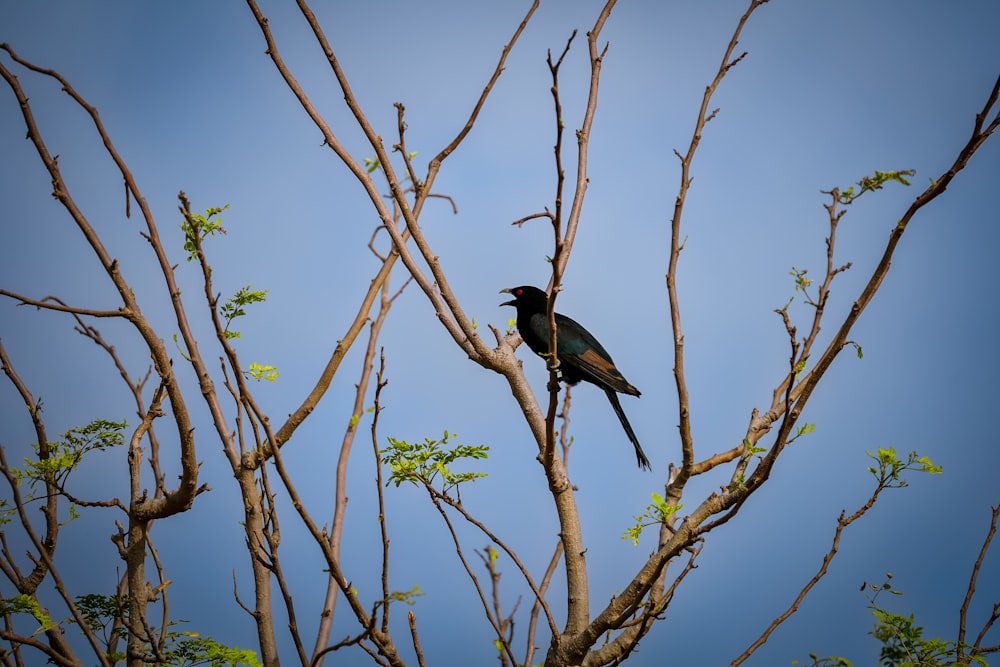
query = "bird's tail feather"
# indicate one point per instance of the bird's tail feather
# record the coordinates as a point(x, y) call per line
point(639, 454)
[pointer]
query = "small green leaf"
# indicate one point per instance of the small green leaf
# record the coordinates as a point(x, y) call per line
point(802, 430)
point(656, 512)
point(262, 372)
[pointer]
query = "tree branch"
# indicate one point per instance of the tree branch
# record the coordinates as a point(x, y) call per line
point(963, 613)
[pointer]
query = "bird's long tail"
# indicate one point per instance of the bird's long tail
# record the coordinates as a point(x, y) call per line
point(639, 454)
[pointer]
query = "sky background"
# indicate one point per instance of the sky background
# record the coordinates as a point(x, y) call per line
point(828, 93)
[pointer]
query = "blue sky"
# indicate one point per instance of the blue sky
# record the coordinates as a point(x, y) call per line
point(828, 93)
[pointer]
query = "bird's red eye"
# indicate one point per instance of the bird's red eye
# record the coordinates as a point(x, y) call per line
point(518, 292)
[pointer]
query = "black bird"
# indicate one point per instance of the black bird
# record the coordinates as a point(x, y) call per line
point(581, 357)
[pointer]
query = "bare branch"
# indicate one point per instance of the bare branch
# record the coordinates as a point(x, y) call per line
point(963, 613)
point(380, 383)
point(181, 498)
point(340, 493)
point(438, 291)
point(460, 328)
point(675, 489)
point(493, 620)
point(810, 379)
point(842, 523)
point(543, 586)
point(52, 303)
point(439, 497)
point(50, 511)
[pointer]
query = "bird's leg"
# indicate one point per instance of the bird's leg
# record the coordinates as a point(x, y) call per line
point(554, 367)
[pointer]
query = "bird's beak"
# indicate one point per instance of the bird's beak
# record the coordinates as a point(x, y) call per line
point(506, 290)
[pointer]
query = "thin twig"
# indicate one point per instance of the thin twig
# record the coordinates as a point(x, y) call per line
point(436, 499)
point(451, 502)
point(380, 383)
point(340, 491)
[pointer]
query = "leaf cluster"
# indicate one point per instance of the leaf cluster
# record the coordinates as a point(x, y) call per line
point(875, 182)
point(427, 461)
point(656, 512)
point(235, 307)
point(101, 611)
point(262, 372)
point(903, 643)
point(26, 604)
point(197, 228)
point(409, 597)
point(189, 650)
point(890, 466)
point(63, 456)
point(107, 614)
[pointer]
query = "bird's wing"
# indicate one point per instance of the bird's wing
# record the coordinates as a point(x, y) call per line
point(599, 370)
point(586, 358)
point(580, 349)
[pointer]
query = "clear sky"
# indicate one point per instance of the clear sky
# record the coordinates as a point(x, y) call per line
point(829, 92)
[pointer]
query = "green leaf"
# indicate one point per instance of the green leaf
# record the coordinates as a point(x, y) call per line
point(262, 372)
point(801, 282)
point(235, 307)
point(889, 467)
point(63, 456)
point(875, 182)
point(195, 650)
point(656, 512)
point(802, 430)
point(197, 228)
point(427, 462)
point(25, 604)
point(406, 596)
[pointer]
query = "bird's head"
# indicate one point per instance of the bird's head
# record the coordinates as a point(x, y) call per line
point(524, 295)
